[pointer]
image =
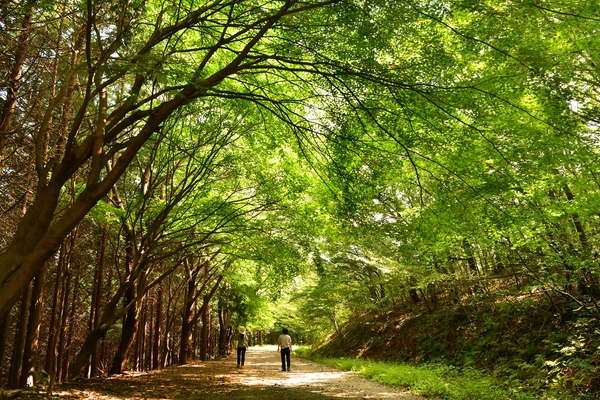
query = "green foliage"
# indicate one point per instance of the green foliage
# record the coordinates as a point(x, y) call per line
point(430, 380)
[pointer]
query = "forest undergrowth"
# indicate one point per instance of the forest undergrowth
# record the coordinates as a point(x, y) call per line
point(526, 344)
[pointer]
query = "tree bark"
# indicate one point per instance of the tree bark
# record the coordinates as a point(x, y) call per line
point(8, 108)
point(16, 364)
point(95, 306)
point(5, 323)
point(64, 319)
point(66, 361)
point(187, 320)
point(52, 331)
point(224, 325)
point(156, 359)
point(33, 329)
point(121, 359)
point(205, 327)
point(150, 336)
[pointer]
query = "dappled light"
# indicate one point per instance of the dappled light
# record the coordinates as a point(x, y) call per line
point(260, 378)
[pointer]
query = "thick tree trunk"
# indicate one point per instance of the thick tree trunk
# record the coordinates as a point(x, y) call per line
point(40, 233)
point(185, 352)
point(187, 324)
point(38, 236)
point(110, 315)
point(131, 300)
point(224, 328)
point(121, 360)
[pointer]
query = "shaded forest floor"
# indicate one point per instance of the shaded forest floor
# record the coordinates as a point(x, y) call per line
point(261, 378)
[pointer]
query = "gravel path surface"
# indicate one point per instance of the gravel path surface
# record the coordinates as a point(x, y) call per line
point(261, 378)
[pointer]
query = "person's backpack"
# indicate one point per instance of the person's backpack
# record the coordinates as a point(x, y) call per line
point(242, 340)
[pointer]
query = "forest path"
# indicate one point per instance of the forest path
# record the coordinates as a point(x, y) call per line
point(261, 378)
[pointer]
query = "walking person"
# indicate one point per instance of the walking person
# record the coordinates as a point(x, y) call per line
point(240, 341)
point(284, 342)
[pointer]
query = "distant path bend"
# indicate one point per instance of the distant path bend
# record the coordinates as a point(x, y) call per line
point(261, 378)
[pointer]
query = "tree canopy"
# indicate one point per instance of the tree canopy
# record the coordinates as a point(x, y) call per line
point(162, 162)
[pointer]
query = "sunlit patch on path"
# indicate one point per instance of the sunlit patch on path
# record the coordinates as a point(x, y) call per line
point(263, 369)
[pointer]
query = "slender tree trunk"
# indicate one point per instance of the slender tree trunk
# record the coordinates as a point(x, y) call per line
point(67, 356)
point(8, 108)
point(193, 351)
point(64, 314)
point(96, 300)
point(33, 329)
point(165, 339)
point(138, 356)
point(167, 349)
point(156, 359)
point(173, 358)
point(52, 332)
point(150, 339)
point(16, 364)
point(186, 325)
point(4, 324)
point(205, 327)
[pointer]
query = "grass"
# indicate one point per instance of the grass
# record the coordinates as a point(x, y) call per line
point(431, 380)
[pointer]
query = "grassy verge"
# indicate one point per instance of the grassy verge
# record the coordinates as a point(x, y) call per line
point(434, 381)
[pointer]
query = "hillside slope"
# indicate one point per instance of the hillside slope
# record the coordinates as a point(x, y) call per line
point(523, 342)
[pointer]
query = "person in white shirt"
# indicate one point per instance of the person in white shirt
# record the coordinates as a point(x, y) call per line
point(284, 342)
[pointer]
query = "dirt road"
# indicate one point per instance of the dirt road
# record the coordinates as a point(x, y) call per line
point(261, 378)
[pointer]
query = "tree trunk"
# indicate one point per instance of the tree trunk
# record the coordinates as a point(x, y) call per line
point(66, 361)
point(16, 364)
point(54, 318)
point(33, 329)
point(166, 350)
point(224, 325)
point(10, 102)
point(38, 234)
point(5, 322)
point(63, 325)
point(150, 337)
point(186, 324)
point(96, 304)
point(110, 315)
point(121, 360)
point(156, 359)
point(140, 339)
point(205, 327)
